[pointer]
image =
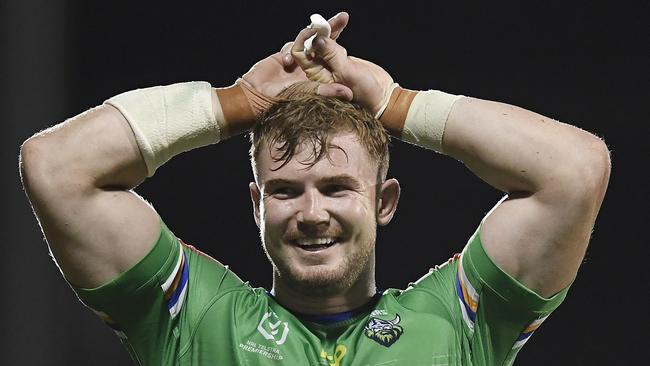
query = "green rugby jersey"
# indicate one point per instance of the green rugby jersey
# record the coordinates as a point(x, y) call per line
point(178, 306)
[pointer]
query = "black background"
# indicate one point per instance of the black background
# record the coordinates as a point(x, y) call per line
point(579, 62)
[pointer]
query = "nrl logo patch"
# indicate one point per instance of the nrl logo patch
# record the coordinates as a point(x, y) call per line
point(271, 327)
point(384, 332)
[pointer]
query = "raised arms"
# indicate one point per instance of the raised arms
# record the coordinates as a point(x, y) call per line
point(79, 175)
point(555, 174)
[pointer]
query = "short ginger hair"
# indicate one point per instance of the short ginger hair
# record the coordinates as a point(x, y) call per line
point(299, 118)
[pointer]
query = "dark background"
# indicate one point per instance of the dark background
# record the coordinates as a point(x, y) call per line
point(579, 62)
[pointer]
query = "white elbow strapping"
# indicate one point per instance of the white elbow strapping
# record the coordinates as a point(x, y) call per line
point(168, 120)
point(427, 118)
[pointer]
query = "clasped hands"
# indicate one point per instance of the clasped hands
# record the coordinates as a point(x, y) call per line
point(327, 71)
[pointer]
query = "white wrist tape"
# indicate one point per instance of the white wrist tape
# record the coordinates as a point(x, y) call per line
point(427, 118)
point(168, 120)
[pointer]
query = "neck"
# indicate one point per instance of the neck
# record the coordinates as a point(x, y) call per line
point(314, 303)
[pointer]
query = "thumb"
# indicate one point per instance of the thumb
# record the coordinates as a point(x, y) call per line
point(333, 55)
point(338, 91)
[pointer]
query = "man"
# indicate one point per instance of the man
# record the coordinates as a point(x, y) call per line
point(320, 190)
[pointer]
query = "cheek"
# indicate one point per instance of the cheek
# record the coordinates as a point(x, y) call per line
point(274, 214)
point(353, 209)
point(359, 205)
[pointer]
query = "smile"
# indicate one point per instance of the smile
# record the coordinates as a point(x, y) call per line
point(315, 244)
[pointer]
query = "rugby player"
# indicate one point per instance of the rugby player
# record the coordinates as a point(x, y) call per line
point(319, 123)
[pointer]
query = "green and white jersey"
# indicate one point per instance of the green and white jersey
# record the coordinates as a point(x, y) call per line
point(178, 306)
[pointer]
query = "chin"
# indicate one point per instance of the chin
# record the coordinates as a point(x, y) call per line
point(321, 279)
point(337, 274)
point(321, 276)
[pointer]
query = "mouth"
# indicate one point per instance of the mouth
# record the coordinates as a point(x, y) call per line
point(315, 244)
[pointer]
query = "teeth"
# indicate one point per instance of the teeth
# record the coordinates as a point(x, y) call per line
point(315, 241)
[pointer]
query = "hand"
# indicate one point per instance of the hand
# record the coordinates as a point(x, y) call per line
point(269, 76)
point(293, 52)
point(370, 84)
point(275, 73)
point(265, 80)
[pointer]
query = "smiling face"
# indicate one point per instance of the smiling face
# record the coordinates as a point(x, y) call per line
point(318, 222)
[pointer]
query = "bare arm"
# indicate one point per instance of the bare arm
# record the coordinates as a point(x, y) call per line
point(555, 174)
point(79, 175)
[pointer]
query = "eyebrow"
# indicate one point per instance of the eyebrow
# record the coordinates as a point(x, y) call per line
point(342, 179)
point(336, 179)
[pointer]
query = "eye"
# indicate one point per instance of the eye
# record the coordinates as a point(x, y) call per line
point(334, 189)
point(284, 192)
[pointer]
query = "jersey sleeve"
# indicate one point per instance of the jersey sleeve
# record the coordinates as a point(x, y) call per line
point(499, 313)
point(148, 305)
point(494, 312)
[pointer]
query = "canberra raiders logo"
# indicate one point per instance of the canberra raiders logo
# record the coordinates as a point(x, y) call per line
point(384, 332)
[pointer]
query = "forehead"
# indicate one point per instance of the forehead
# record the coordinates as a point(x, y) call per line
point(352, 159)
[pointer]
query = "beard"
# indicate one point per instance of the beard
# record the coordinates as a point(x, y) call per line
point(322, 280)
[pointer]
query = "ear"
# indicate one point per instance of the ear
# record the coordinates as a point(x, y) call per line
point(255, 198)
point(388, 198)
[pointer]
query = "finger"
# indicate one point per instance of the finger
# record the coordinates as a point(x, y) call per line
point(319, 74)
point(333, 55)
point(286, 47)
point(287, 58)
point(299, 43)
point(338, 23)
point(338, 91)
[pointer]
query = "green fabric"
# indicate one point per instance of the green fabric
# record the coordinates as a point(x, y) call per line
point(223, 321)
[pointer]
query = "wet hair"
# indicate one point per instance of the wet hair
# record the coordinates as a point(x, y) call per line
point(309, 119)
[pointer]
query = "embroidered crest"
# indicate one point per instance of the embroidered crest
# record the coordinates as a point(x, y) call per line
point(384, 332)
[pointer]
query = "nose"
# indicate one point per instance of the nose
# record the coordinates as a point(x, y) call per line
point(312, 211)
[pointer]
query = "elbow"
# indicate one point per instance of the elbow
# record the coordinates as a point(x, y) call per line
point(582, 174)
point(42, 172)
point(26, 162)
point(596, 166)
point(588, 172)
point(33, 164)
